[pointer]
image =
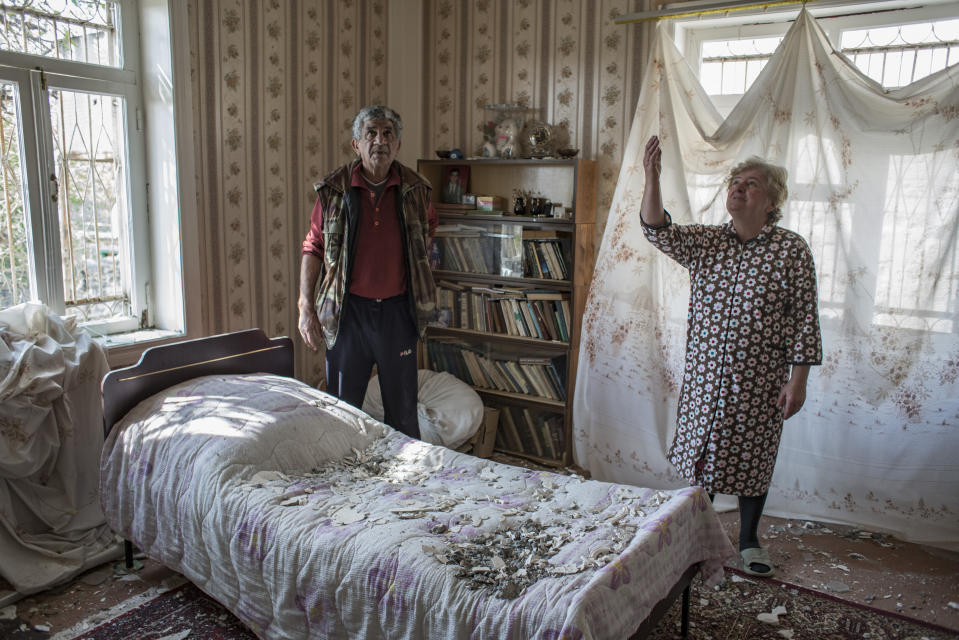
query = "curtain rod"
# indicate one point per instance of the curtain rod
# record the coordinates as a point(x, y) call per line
point(692, 13)
point(683, 9)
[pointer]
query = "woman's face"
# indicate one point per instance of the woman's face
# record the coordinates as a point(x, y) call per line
point(747, 197)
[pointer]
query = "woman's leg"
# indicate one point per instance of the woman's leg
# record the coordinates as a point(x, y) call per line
point(750, 510)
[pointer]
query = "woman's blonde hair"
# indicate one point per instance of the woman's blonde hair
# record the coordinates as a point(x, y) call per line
point(776, 178)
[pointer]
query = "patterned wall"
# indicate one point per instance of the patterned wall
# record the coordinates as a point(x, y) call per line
point(565, 58)
point(276, 83)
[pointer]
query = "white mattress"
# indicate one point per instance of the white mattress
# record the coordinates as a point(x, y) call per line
point(309, 519)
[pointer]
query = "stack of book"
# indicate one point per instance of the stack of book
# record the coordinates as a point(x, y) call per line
point(531, 432)
point(525, 312)
point(466, 248)
point(545, 255)
point(544, 377)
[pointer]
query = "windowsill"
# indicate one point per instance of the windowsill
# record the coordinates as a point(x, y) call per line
point(124, 349)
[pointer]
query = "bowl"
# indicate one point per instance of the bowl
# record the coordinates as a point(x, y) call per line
point(567, 153)
point(443, 153)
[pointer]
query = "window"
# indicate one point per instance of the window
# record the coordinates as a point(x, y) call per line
point(73, 190)
point(894, 48)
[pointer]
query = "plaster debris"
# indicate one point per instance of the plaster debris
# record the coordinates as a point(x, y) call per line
point(837, 587)
point(94, 578)
point(348, 515)
point(488, 474)
point(10, 612)
point(786, 633)
point(261, 478)
point(773, 616)
point(182, 635)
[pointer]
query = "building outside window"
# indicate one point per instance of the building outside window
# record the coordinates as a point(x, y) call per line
point(73, 223)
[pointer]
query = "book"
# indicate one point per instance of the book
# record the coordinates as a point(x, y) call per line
point(530, 234)
point(521, 326)
point(538, 420)
point(564, 318)
point(555, 425)
point(549, 254)
point(499, 380)
point(523, 435)
point(450, 285)
point(533, 267)
point(540, 294)
point(520, 377)
point(537, 382)
point(514, 385)
point(543, 320)
point(534, 433)
point(509, 432)
point(533, 430)
point(534, 331)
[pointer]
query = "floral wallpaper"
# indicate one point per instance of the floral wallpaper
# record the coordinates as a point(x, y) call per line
point(277, 82)
point(565, 59)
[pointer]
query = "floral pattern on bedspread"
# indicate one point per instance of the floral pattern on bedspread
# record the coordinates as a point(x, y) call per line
point(309, 519)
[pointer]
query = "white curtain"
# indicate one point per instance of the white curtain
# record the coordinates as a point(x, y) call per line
point(874, 189)
point(51, 434)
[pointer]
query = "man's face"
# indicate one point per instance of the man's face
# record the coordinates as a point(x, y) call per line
point(377, 146)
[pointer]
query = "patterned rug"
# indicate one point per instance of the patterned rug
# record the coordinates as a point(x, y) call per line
point(742, 608)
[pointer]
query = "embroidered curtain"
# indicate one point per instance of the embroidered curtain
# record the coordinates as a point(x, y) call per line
point(874, 189)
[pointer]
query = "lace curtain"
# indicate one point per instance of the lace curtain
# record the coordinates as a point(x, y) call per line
point(874, 189)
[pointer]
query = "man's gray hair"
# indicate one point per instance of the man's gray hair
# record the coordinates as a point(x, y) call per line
point(376, 112)
point(776, 178)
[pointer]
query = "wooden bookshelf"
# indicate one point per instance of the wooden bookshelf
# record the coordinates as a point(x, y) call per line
point(512, 291)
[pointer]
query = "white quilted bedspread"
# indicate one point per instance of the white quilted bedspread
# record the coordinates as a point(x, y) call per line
point(309, 519)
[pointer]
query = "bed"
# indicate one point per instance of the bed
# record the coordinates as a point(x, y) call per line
point(308, 519)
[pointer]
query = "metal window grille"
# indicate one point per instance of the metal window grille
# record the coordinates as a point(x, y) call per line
point(78, 30)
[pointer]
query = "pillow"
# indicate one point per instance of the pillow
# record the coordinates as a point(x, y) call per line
point(449, 411)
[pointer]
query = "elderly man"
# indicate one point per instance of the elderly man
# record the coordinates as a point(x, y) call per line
point(366, 288)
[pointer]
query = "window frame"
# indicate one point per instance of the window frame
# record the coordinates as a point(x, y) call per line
point(43, 75)
point(162, 117)
point(690, 33)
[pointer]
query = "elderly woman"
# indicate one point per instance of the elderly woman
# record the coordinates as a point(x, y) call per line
point(752, 334)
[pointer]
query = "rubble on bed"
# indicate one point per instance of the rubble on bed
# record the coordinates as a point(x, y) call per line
point(548, 534)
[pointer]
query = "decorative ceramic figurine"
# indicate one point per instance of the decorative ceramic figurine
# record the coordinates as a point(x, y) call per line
point(506, 139)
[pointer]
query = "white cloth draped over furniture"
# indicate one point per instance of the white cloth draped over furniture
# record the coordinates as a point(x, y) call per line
point(51, 434)
point(874, 189)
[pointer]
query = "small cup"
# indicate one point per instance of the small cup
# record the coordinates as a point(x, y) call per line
point(519, 206)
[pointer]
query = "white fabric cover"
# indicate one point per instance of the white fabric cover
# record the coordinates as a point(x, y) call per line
point(51, 431)
point(221, 479)
point(449, 411)
point(874, 189)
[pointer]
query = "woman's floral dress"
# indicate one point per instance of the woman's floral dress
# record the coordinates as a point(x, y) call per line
point(753, 312)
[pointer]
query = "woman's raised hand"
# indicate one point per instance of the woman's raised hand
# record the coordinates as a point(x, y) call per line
point(653, 158)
